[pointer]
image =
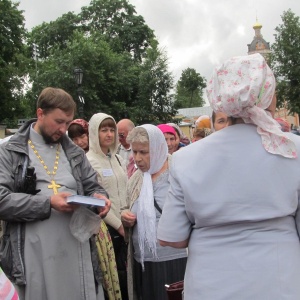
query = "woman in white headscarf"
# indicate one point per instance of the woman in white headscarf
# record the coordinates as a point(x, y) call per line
point(150, 266)
point(239, 216)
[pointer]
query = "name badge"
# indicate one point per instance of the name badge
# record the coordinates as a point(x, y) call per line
point(107, 172)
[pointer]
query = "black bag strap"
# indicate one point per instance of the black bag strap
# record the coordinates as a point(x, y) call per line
point(157, 206)
point(118, 149)
point(118, 160)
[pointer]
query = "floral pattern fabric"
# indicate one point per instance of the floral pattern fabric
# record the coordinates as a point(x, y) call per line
point(83, 123)
point(108, 263)
point(243, 87)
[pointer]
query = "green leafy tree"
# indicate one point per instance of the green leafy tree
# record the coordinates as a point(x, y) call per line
point(118, 22)
point(114, 47)
point(55, 33)
point(115, 20)
point(189, 89)
point(285, 61)
point(12, 34)
point(154, 101)
point(108, 76)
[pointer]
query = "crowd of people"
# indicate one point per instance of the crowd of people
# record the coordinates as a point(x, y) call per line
point(211, 210)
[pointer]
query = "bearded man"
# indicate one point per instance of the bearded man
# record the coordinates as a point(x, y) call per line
point(46, 261)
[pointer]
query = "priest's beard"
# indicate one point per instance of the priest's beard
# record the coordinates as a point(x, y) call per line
point(48, 139)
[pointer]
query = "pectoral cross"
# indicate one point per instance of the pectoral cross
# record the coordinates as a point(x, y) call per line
point(54, 186)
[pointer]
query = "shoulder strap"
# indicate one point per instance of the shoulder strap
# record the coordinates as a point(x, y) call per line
point(157, 206)
point(25, 167)
point(19, 177)
point(118, 160)
point(118, 149)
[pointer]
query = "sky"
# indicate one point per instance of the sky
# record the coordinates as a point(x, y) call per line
point(198, 34)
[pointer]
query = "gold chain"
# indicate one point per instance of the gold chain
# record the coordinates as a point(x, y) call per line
point(42, 161)
point(54, 186)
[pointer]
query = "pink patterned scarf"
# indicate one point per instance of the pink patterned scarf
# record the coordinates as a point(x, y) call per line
point(243, 87)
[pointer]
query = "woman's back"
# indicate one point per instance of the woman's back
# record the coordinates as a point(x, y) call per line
point(242, 181)
point(244, 241)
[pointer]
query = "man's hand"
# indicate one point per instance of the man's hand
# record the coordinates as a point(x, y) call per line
point(128, 218)
point(103, 210)
point(59, 202)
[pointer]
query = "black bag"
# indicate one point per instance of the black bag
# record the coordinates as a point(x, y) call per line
point(175, 290)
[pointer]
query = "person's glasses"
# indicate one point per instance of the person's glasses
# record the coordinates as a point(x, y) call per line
point(121, 135)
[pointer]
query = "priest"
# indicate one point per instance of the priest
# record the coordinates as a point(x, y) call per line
point(40, 168)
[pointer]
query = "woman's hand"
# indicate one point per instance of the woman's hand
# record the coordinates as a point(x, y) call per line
point(121, 231)
point(128, 218)
point(182, 244)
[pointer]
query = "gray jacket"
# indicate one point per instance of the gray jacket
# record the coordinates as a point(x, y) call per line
point(17, 208)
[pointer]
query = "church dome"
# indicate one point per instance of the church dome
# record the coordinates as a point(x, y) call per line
point(257, 25)
point(258, 44)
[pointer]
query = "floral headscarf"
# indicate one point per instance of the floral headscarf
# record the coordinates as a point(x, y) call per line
point(284, 124)
point(243, 87)
point(83, 123)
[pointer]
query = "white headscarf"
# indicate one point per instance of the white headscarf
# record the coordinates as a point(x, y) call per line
point(243, 87)
point(146, 216)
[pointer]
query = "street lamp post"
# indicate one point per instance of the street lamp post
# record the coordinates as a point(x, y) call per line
point(78, 75)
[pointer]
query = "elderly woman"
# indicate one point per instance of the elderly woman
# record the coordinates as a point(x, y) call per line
point(240, 217)
point(152, 266)
point(183, 140)
point(170, 136)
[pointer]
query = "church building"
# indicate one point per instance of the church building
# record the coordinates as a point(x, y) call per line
point(258, 44)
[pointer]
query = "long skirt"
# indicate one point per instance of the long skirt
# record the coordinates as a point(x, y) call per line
point(150, 283)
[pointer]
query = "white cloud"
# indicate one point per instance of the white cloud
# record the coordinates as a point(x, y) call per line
point(195, 33)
